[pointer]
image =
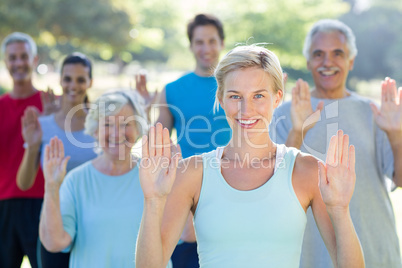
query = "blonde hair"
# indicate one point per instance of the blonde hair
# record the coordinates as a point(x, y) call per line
point(243, 57)
point(110, 104)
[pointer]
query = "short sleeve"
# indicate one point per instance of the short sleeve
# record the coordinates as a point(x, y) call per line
point(280, 125)
point(68, 208)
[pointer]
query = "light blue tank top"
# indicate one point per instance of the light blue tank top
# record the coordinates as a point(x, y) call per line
point(258, 228)
point(191, 100)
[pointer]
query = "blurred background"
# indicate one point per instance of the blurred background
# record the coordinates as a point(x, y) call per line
point(123, 37)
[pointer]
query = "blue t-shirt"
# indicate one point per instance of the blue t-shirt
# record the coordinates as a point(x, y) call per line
point(78, 145)
point(191, 100)
point(102, 214)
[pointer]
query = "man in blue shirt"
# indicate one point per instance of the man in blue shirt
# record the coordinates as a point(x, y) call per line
point(187, 105)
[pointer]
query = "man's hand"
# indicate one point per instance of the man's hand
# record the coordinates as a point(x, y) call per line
point(301, 109)
point(31, 130)
point(389, 116)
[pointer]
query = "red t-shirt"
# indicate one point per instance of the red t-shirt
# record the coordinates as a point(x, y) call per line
point(11, 147)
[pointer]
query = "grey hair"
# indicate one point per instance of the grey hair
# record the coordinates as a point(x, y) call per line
point(328, 26)
point(19, 37)
point(248, 56)
point(111, 103)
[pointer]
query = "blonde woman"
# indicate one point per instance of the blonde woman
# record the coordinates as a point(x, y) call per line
point(249, 198)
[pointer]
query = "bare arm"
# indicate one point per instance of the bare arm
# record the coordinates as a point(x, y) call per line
point(168, 200)
point(165, 116)
point(302, 115)
point(32, 134)
point(188, 234)
point(389, 119)
point(330, 204)
point(51, 231)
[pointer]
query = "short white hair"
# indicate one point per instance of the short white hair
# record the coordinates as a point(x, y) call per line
point(328, 26)
point(111, 103)
point(19, 37)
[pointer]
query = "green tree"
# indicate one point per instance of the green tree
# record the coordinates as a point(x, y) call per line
point(378, 40)
point(87, 24)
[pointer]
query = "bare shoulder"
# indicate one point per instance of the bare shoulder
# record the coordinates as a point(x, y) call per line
point(305, 177)
point(189, 176)
point(306, 163)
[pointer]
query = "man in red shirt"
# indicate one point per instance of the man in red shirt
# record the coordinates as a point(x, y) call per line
point(19, 210)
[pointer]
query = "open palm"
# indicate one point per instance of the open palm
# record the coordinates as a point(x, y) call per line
point(49, 100)
point(158, 166)
point(31, 130)
point(54, 166)
point(337, 176)
point(389, 116)
point(302, 114)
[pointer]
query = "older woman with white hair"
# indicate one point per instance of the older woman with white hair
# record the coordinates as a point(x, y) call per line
point(96, 210)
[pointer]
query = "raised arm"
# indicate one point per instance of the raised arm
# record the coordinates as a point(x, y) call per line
point(167, 200)
point(389, 119)
point(302, 115)
point(336, 184)
point(165, 117)
point(51, 231)
point(32, 134)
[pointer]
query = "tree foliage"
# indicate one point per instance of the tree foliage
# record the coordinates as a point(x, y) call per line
point(379, 41)
point(85, 23)
point(155, 30)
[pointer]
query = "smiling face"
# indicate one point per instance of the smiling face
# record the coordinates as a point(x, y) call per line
point(75, 81)
point(206, 46)
point(19, 61)
point(118, 133)
point(249, 101)
point(329, 63)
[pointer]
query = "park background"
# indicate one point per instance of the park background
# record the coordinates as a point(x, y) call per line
point(124, 37)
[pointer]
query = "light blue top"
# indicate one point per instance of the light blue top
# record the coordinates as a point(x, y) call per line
point(102, 214)
point(258, 228)
point(78, 145)
point(370, 207)
point(191, 100)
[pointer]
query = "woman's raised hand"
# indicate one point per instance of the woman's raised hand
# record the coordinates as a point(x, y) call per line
point(50, 102)
point(337, 176)
point(158, 164)
point(55, 163)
